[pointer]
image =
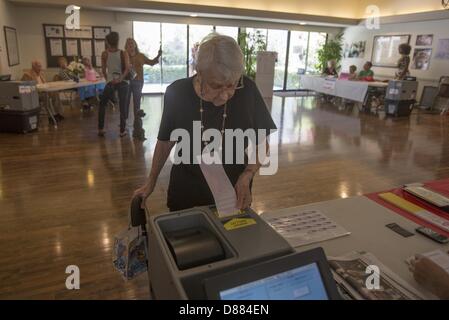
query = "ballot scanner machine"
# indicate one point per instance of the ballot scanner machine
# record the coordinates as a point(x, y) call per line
point(19, 106)
point(194, 254)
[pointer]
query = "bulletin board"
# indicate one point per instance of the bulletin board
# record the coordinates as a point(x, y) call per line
point(88, 41)
point(386, 50)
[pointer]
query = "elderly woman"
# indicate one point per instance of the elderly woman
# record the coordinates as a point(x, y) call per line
point(36, 74)
point(221, 98)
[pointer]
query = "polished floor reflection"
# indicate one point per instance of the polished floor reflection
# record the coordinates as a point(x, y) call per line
point(64, 193)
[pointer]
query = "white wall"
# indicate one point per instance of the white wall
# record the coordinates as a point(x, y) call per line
point(7, 18)
point(438, 68)
point(30, 20)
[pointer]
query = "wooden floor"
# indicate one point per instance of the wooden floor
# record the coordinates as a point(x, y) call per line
point(64, 193)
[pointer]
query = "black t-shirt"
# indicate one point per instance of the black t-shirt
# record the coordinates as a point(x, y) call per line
point(245, 110)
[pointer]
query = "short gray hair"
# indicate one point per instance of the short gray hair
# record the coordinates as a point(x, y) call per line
point(221, 57)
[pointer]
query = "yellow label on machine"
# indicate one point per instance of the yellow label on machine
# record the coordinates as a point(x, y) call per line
point(400, 203)
point(238, 223)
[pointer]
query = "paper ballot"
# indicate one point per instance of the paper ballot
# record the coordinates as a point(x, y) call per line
point(221, 188)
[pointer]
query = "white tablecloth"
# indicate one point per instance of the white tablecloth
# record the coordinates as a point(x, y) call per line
point(352, 90)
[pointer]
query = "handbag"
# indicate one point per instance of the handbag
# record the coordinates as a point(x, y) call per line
point(130, 253)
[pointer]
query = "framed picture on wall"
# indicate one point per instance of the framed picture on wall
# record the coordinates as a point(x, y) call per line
point(12, 46)
point(424, 40)
point(101, 32)
point(54, 31)
point(421, 58)
point(386, 50)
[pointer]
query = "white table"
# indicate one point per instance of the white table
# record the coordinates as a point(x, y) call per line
point(58, 86)
point(351, 90)
point(366, 221)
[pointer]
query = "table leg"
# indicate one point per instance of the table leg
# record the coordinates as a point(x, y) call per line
point(49, 107)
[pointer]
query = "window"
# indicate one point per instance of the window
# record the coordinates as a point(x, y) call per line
point(277, 42)
point(196, 35)
point(297, 58)
point(176, 62)
point(147, 36)
point(317, 40)
point(232, 32)
point(174, 57)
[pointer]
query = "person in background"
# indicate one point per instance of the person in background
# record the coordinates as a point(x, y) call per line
point(89, 93)
point(366, 74)
point(90, 74)
point(331, 69)
point(404, 62)
point(64, 72)
point(353, 73)
point(36, 74)
point(115, 67)
point(192, 60)
point(431, 276)
point(137, 61)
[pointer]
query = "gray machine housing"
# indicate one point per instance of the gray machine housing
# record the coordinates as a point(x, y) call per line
point(401, 90)
point(18, 95)
point(241, 247)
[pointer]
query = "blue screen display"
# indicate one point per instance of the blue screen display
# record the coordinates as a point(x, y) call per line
point(304, 283)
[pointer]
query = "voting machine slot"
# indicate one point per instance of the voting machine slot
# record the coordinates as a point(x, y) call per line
point(193, 241)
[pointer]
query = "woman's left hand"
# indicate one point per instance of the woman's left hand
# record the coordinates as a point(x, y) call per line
point(242, 189)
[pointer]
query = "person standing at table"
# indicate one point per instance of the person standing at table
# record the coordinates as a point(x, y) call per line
point(115, 68)
point(137, 61)
point(404, 62)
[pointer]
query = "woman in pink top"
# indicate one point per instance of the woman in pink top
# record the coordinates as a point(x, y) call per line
point(90, 75)
point(89, 72)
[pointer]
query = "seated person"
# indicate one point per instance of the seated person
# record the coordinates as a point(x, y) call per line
point(88, 94)
point(331, 69)
point(353, 73)
point(36, 74)
point(367, 74)
point(90, 73)
point(64, 72)
point(431, 276)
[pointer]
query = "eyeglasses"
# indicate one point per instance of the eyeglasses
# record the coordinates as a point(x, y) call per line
point(216, 90)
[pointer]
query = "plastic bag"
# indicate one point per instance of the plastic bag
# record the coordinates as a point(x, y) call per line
point(130, 253)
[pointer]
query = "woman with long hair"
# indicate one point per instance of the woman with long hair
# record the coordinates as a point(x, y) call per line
point(137, 61)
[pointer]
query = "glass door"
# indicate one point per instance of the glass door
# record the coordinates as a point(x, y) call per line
point(196, 35)
point(297, 58)
point(174, 57)
point(147, 36)
point(277, 42)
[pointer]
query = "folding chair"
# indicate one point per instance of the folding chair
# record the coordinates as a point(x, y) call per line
point(442, 99)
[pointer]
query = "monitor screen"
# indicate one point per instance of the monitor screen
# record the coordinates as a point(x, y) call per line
point(304, 283)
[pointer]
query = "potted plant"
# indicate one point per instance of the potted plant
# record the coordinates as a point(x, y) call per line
point(331, 50)
point(251, 43)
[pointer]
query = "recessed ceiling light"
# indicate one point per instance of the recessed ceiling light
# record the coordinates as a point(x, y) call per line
point(194, 15)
